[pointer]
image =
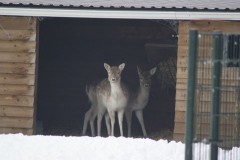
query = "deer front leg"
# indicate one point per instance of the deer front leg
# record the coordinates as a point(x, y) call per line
point(107, 121)
point(128, 114)
point(112, 118)
point(139, 115)
point(120, 121)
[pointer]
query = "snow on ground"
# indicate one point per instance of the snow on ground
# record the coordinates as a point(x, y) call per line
point(20, 147)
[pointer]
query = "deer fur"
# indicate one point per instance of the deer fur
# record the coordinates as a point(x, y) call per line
point(139, 99)
point(110, 94)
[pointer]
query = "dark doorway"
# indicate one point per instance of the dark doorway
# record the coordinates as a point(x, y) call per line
point(72, 53)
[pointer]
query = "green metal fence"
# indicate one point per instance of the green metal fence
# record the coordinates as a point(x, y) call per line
point(213, 96)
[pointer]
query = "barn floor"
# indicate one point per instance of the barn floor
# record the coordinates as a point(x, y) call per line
point(72, 53)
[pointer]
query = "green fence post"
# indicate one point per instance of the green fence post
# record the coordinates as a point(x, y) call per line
point(215, 97)
point(192, 54)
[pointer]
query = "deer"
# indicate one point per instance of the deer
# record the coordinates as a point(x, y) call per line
point(110, 94)
point(139, 99)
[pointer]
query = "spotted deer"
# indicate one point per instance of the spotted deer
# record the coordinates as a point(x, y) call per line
point(110, 94)
point(139, 99)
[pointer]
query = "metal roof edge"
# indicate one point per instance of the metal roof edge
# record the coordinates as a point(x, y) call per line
point(119, 14)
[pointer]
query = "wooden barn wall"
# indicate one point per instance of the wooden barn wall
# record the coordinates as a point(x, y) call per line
point(181, 85)
point(17, 74)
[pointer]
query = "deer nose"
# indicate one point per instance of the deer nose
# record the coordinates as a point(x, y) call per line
point(113, 79)
point(146, 85)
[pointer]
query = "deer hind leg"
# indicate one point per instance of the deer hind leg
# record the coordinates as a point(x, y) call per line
point(128, 114)
point(87, 117)
point(120, 121)
point(139, 115)
point(107, 120)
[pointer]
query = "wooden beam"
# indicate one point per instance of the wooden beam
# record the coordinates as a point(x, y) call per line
point(18, 57)
point(6, 89)
point(20, 23)
point(17, 46)
point(17, 79)
point(16, 130)
point(16, 122)
point(16, 111)
point(18, 68)
point(11, 100)
point(26, 35)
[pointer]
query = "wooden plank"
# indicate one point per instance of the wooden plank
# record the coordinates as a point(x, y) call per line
point(228, 73)
point(17, 46)
point(180, 105)
point(16, 22)
point(18, 57)
point(16, 130)
point(16, 122)
point(19, 90)
point(12, 100)
point(18, 68)
point(208, 26)
point(16, 111)
point(28, 35)
point(204, 129)
point(179, 137)
point(203, 118)
point(224, 82)
point(206, 95)
point(17, 79)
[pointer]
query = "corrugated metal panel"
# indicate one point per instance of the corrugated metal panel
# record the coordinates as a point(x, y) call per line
point(188, 4)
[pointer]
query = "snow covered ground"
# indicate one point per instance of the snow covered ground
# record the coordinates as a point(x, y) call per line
point(20, 147)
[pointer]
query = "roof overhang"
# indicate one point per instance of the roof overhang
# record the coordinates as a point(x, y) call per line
point(120, 14)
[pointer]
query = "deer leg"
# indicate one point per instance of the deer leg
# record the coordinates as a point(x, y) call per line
point(128, 114)
point(86, 120)
point(120, 121)
point(112, 118)
point(139, 115)
point(99, 122)
point(92, 123)
point(107, 120)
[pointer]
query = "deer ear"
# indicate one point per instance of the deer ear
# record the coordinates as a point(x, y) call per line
point(121, 66)
point(106, 66)
point(139, 70)
point(153, 70)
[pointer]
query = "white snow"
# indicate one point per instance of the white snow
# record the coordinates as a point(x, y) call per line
point(21, 147)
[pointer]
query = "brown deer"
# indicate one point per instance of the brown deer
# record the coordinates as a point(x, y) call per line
point(139, 99)
point(111, 95)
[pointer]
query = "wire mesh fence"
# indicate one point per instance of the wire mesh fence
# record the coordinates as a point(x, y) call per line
point(215, 130)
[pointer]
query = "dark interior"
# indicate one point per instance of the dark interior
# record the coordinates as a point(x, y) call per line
point(71, 55)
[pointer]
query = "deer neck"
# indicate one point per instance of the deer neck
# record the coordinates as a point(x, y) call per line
point(116, 88)
point(143, 92)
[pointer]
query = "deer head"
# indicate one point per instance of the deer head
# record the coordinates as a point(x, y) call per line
point(145, 77)
point(114, 72)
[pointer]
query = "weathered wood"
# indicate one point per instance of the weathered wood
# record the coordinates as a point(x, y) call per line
point(17, 46)
point(224, 82)
point(7, 34)
point(12, 100)
point(16, 122)
point(178, 137)
point(17, 79)
point(16, 111)
point(208, 26)
point(16, 130)
point(6, 89)
point(206, 95)
point(228, 73)
point(204, 129)
point(18, 57)
point(18, 68)
point(20, 23)
point(180, 105)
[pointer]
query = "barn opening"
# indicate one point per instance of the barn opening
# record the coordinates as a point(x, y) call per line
point(71, 54)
